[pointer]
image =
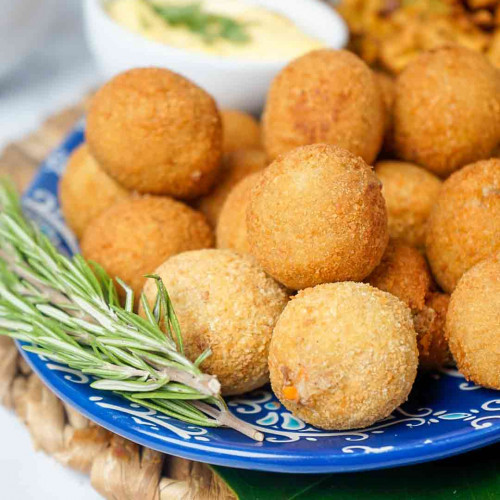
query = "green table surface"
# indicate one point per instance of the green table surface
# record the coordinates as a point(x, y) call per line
point(474, 475)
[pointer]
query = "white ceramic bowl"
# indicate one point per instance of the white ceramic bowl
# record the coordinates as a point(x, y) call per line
point(22, 24)
point(235, 83)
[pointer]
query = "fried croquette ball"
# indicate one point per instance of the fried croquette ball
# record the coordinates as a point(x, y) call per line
point(134, 237)
point(325, 96)
point(156, 132)
point(231, 230)
point(430, 327)
point(86, 190)
point(317, 215)
point(410, 193)
point(224, 302)
point(387, 86)
point(239, 131)
point(343, 355)
point(463, 227)
point(447, 109)
point(403, 272)
point(473, 323)
point(235, 166)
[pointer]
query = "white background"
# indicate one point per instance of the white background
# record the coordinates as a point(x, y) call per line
point(58, 73)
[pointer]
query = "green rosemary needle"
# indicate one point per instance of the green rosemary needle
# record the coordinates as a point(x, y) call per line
point(67, 310)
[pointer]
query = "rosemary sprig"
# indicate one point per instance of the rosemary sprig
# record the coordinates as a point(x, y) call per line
point(209, 26)
point(68, 311)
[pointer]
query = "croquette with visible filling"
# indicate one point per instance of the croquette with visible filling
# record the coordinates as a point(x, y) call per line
point(409, 192)
point(447, 109)
point(326, 96)
point(317, 215)
point(343, 355)
point(132, 238)
point(239, 131)
point(235, 166)
point(224, 302)
point(156, 132)
point(464, 225)
point(473, 323)
point(85, 190)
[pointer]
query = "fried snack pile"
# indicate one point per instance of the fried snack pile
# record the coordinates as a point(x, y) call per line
point(372, 200)
point(390, 33)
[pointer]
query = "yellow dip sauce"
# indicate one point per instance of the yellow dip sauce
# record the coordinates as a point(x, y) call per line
point(271, 36)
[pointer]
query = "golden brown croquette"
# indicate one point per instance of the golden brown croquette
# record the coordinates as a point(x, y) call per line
point(132, 238)
point(235, 166)
point(429, 324)
point(463, 227)
point(232, 226)
point(325, 96)
point(447, 109)
point(239, 131)
point(156, 132)
point(85, 190)
point(387, 86)
point(473, 323)
point(317, 215)
point(343, 355)
point(410, 193)
point(403, 272)
point(224, 302)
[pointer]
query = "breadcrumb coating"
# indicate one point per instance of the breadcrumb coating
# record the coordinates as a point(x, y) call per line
point(326, 96)
point(463, 227)
point(447, 109)
point(403, 272)
point(473, 323)
point(430, 327)
point(232, 226)
point(235, 166)
point(85, 190)
point(317, 215)
point(410, 193)
point(239, 131)
point(349, 350)
point(224, 302)
point(132, 238)
point(156, 132)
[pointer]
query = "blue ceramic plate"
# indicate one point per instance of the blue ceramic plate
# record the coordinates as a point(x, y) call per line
point(445, 414)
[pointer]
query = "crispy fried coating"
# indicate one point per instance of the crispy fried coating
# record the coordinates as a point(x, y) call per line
point(473, 323)
point(463, 227)
point(430, 327)
point(410, 193)
point(326, 96)
point(387, 86)
point(232, 225)
point(86, 190)
point(343, 355)
point(403, 272)
point(132, 238)
point(317, 215)
point(156, 132)
point(447, 110)
point(235, 166)
point(224, 302)
point(239, 131)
